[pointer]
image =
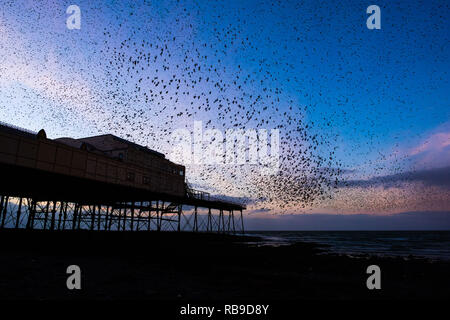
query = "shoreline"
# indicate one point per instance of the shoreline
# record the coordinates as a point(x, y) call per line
point(369, 247)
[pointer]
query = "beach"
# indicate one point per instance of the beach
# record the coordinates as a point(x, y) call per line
point(187, 267)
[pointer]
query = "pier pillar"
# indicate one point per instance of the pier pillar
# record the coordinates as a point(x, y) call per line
point(19, 212)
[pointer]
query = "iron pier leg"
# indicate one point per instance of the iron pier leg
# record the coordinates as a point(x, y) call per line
point(125, 217)
point(2, 199)
point(46, 215)
point(107, 218)
point(65, 215)
point(3, 212)
point(93, 217)
point(132, 217)
point(52, 221)
point(99, 217)
point(118, 218)
point(180, 210)
point(19, 211)
point(195, 220)
point(242, 222)
point(223, 220)
point(218, 222)
point(29, 206)
point(232, 217)
point(159, 216)
point(80, 216)
point(149, 216)
point(74, 216)
point(208, 223)
point(60, 216)
point(111, 217)
point(139, 217)
point(31, 213)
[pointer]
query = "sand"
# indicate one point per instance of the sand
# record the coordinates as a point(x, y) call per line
point(192, 268)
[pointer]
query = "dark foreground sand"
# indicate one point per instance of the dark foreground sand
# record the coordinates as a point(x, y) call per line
point(200, 267)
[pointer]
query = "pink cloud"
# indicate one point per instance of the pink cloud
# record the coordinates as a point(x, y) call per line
point(436, 142)
point(433, 151)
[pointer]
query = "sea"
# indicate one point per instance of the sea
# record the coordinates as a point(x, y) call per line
point(434, 245)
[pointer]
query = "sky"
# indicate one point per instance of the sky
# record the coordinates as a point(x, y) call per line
point(363, 115)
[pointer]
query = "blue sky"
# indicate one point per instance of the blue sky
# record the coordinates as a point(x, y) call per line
point(379, 97)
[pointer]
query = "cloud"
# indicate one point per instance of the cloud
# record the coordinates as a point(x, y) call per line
point(315, 222)
point(435, 142)
point(432, 151)
point(439, 177)
point(262, 210)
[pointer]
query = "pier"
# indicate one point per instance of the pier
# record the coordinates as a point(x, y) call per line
point(101, 183)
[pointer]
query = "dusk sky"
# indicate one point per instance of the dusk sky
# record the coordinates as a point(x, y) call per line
point(368, 110)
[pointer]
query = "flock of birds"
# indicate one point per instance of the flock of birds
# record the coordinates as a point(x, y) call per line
point(150, 78)
point(157, 86)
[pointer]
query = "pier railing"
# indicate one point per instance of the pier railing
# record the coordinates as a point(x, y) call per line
point(202, 195)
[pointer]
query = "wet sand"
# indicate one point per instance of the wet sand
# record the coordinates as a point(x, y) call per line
point(186, 267)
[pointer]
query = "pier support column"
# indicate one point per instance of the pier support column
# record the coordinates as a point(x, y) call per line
point(31, 213)
point(92, 217)
point(80, 217)
point(132, 217)
point(195, 229)
point(111, 217)
point(139, 217)
point(157, 216)
point(160, 216)
point(180, 211)
point(232, 217)
point(66, 204)
point(223, 220)
point(75, 216)
point(149, 222)
point(99, 217)
point(46, 214)
point(52, 220)
point(125, 214)
point(242, 222)
point(19, 212)
point(107, 219)
point(4, 211)
point(2, 200)
point(209, 222)
point(119, 216)
point(60, 215)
